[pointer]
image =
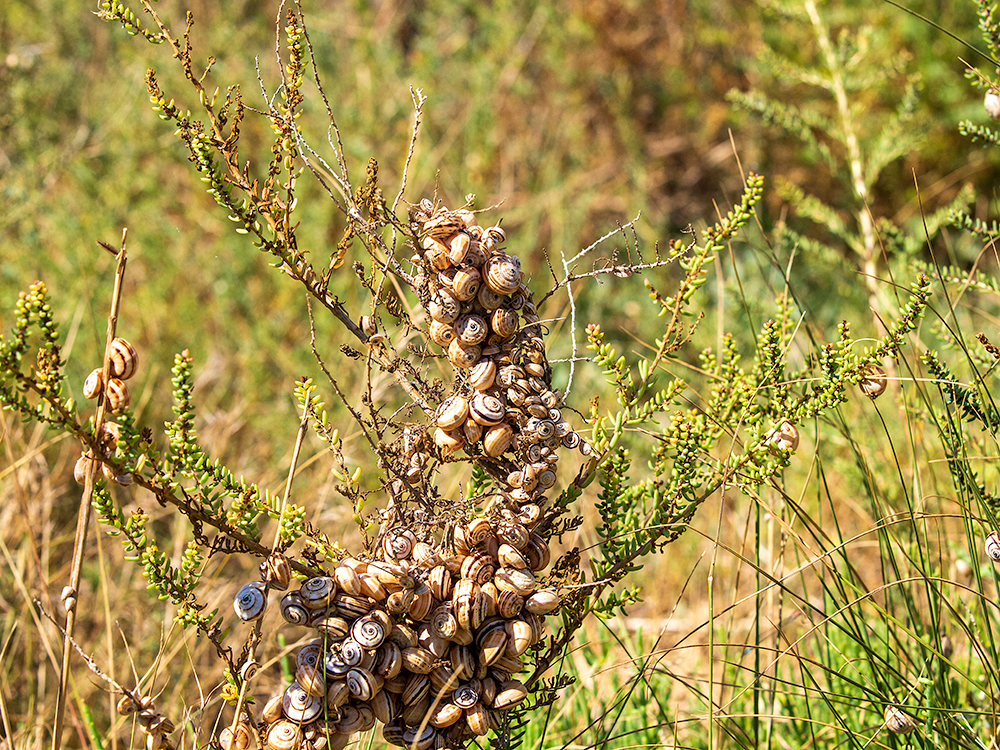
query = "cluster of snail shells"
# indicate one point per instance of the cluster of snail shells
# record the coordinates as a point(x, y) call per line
point(122, 362)
point(153, 724)
point(475, 295)
point(424, 640)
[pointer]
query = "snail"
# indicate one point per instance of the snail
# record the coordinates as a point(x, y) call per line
point(123, 359)
point(250, 601)
point(117, 394)
point(898, 722)
point(785, 439)
point(874, 383)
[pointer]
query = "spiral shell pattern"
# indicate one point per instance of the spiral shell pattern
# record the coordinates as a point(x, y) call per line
point(250, 601)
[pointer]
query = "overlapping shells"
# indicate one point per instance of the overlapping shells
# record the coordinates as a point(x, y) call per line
point(484, 317)
point(425, 640)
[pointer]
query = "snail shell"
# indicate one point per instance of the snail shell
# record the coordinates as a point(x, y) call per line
point(369, 632)
point(445, 715)
point(238, 739)
point(299, 706)
point(571, 440)
point(123, 359)
point(439, 582)
point(250, 601)
point(443, 622)
point(347, 579)
point(473, 431)
point(502, 273)
point(363, 684)
point(317, 592)
point(537, 552)
point(388, 660)
point(489, 299)
point(546, 479)
point(495, 234)
point(483, 374)
point(478, 568)
point(92, 385)
point(385, 706)
point(467, 604)
point(429, 640)
point(492, 645)
point(510, 557)
point(284, 735)
point(416, 689)
point(444, 307)
point(476, 256)
point(118, 395)
point(458, 247)
point(466, 695)
point(466, 283)
point(463, 661)
point(422, 603)
point(393, 732)
point(312, 679)
point(488, 410)
point(372, 587)
point(276, 571)
point(310, 655)
point(471, 329)
point(513, 534)
point(83, 466)
point(874, 383)
point(510, 694)
point(436, 253)
point(504, 322)
point(337, 694)
point(397, 544)
point(441, 333)
point(448, 441)
point(415, 739)
point(478, 532)
point(330, 626)
point(418, 660)
point(293, 609)
point(352, 607)
point(993, 546)
point(784, 439)
point(352, 719)
point(477, 719)
point(462, 355)
point(403, 635)
point(497, 440)
point(512, 579)
point(519, 636)
point(898, 722)
point(542, 602)
point(452, 412)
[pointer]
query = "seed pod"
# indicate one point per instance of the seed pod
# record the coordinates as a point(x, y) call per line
point(510, 694)
point(874, 383)
point(92, 385)
point(118, 395)
point(471, 329)
point(250, 601)
point(497, 440)
point(299, 706)
point(123, 359)
point(462, 355)
point(452, 412)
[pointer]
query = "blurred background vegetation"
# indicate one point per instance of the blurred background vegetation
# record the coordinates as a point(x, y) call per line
point(577, 115)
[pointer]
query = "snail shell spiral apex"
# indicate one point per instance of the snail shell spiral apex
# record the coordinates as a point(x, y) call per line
point(284, 735)
point(293, 609)
point(299, 706)
point(993, 546)
point(502, 273)
point(250, 601)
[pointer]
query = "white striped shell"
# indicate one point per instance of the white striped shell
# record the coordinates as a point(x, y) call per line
point(398, 543)
point(497, 440)
point(471, 329)
point(483, 374)
point(299, 706)
point(317, 592)
point(458, 247)
point(448, 441)
point(510, 694)
point(487, 410)
point(462, 355)
point(993, 546)
point(118, 395)
point(293, 609)
point(502, 273)
point(452, 412)
point(250, 601)
point(363, 684)
point(503, 321)
point(92, 385)
point(124, 359)
point(369, 632)
point(441, 333)
point(284, 735)
point(489, 299)
point(466, 283)
point(444, 307)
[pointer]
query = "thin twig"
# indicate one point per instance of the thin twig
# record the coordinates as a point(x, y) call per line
point(83, 516)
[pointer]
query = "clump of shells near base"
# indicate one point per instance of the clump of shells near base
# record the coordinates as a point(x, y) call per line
point(427, 637)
